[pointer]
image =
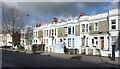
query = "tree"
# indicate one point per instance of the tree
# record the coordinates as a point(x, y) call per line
point(13, 20)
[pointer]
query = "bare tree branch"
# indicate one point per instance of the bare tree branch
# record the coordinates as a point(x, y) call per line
point(13, 20)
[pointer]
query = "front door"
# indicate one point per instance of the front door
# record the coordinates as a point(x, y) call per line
point(102, 43)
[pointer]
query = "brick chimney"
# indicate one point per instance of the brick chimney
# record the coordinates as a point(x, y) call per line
point(82, 14)
point(55, 20)
point(38, 25)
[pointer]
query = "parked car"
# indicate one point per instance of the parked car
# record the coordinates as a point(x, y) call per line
point(18, 46)
point(8, 45)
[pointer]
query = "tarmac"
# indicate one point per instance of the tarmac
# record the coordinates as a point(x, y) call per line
point(82, 57)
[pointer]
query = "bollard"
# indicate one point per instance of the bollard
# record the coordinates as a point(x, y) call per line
point(94, 50)
point(113, 52)
point(86, 50)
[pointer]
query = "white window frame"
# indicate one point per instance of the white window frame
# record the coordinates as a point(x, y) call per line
point(47, 41)
point(87, 28)
point(36, 33)
point(36, 41)
point(55, 31)
point(65, 30)
point(44, 32)
point(47, 32)
point(96, 27)
point(69, 42)
point(52, 31)
point(83, 28)
point(113, 24)
point(69, 30)
point(73, 42)
point(73, 30)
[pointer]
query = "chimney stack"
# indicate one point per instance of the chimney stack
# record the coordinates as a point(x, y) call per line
point(38, 25)
point(55, 20)
point(82, 14)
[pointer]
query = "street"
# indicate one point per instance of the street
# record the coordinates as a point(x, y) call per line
point(18, 59)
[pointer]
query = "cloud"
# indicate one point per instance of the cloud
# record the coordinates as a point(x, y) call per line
point(45, 11)
point(11, 4)
point(59, 0)
point(93, 12)
point(112, 5)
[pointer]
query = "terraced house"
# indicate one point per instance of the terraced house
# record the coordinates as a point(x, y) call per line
point(90, 35)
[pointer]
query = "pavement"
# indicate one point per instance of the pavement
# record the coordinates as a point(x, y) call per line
point(88, 58)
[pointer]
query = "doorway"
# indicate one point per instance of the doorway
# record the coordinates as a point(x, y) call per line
point(102, 42)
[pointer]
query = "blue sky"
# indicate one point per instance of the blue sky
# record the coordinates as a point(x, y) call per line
point(44, 12)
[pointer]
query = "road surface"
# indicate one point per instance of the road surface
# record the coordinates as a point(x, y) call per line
point(18, 59)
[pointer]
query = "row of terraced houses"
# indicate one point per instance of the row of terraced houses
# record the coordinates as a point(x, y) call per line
point(90, 35)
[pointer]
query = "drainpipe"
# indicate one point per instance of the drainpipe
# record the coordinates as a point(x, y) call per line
point(108, 31)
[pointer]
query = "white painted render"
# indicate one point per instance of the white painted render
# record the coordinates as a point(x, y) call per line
point(72, 22)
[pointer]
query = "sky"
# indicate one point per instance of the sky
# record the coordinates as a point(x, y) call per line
point(44, 12)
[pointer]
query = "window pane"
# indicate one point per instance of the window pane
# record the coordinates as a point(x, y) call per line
point(73, 29)
point(83, 27)
point(65, 30)
point(69, 42)
point(47, 32)
point(113, 21)
point(73, 42)
point(113, 26)
point(96, 27)
point(69, 30)
point(86, 25)
point(52, 31)
point(96, 24)
point(87, 41)
point(55, 31)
